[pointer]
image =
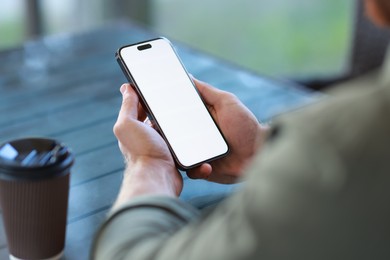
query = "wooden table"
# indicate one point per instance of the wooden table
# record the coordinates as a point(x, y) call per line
point(67, 87)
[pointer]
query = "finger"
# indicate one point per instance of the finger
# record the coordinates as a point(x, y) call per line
point(202, 172)
point(210, 94)
point(141, 113)
point(148, 122)
point(129, 108)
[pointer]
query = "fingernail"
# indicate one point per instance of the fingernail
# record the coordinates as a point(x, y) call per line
point(123, 89)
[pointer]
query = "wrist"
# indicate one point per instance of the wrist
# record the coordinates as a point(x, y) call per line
point(150, 176)
point(147, 176)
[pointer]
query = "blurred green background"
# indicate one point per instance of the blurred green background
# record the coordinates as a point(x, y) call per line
point(289, 38)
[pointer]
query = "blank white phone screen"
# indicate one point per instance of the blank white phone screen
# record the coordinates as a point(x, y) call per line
point(174, 102)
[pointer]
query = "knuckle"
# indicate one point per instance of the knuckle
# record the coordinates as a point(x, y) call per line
point(118, 128)
point(115, 129)
point(229, 97)
point(127, 100)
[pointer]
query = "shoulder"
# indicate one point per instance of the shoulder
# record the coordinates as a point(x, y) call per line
point(352, 128)
point(353, 113)
point(324, 173)
point(336, 146)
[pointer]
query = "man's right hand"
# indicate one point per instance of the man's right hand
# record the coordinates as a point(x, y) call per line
point(241, 129)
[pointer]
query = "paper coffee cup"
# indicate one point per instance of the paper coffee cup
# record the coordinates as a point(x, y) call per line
point(34, 188)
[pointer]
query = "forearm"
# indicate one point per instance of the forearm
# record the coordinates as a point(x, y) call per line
point(137, 230)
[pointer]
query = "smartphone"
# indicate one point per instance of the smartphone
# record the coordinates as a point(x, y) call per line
point(172, 102)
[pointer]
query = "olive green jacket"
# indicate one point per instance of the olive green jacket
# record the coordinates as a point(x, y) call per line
point(320, 189)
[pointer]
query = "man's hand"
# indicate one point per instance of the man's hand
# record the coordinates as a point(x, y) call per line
point(150, 168)
point(243, 132)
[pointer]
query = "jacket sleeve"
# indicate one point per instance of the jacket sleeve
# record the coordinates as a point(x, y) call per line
point(139, 228)
point(319, 190)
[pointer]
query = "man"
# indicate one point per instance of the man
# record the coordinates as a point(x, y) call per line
point(318, 188)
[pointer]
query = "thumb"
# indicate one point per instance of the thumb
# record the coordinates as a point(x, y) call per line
point(210, 94)
point(129, 108)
